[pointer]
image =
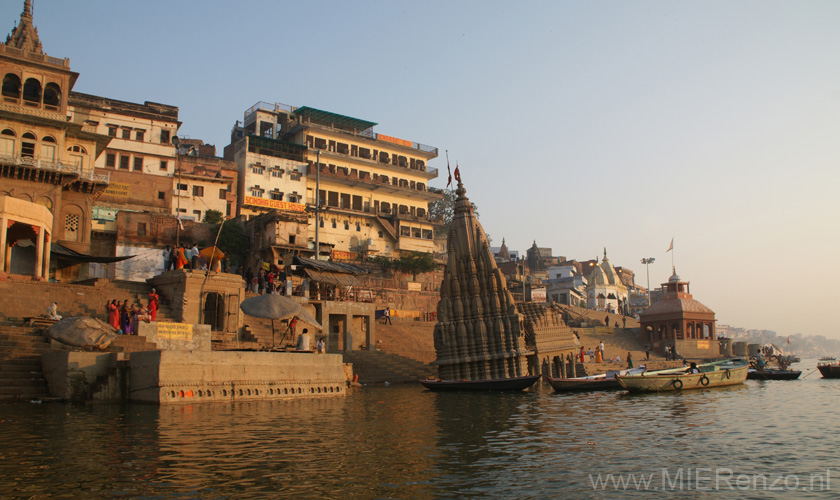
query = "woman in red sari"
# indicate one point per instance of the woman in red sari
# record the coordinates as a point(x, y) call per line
point(154, 298)
point(113, 315)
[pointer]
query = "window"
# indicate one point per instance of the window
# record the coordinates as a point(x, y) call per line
point(110, 160)
point(48, 149)
point(182, 187)
point(292, 239)
point(7, 143)
point(321, 222)
point(27, 145)
point(164, 137)
point(124, 162)
point(139, 135)
point(256, 192)
point(71, 227)
point(126, 133)
point(358, 227)
point(405, 231)
point(141, 229)
point(198, 190)
point(333, 223)
point(163, 165)
point(112, 131)
point(276, 173)
point(161, 195)
point(222, 194)
point(197, 214)
point(346, 225)
point(258, 169)
point(138, 163)
point(276, 195)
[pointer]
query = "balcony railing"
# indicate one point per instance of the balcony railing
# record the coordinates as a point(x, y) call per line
point(368, 180)
point(55, 166)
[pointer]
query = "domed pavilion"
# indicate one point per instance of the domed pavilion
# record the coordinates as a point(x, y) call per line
point(679, 321)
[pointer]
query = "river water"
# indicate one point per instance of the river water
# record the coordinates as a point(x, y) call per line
point(758, 440)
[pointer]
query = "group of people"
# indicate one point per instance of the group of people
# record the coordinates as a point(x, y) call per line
point(598, 355)
point(125, 318)
point(191, 258)
point(266, 282)
point(671, 353)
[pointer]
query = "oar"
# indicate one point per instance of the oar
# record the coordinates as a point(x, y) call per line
point(814, 370)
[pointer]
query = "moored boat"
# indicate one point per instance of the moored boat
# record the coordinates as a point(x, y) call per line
point(603, 382)
point(773, 374)
point(717, 374)
point(829, 370)
point(504, 384)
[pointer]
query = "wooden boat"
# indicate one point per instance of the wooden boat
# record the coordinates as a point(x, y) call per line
point(772, 374)
point(829, 370)
point(503, 384)
point(717, 374)
point(603, 382)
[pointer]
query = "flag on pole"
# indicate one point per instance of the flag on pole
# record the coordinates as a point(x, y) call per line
point(180, 225)
point(449, 182)
point(457, 173)
point(671, 246)
point(788, 340)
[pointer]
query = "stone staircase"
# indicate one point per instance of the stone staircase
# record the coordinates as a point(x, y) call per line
point(137, 292)
point(21, 378)
point(376, 367)
point(410, 339)
point(617, 342)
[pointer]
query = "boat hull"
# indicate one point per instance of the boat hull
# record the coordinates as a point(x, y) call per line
point(774, 375)
point(568, 384)
point(505, 384)
point(684, 381)
point(829, 370)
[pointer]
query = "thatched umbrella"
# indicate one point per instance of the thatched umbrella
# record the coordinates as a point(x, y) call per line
point(272, 306)
point(82, 331)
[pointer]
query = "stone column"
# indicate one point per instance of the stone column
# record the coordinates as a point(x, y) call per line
point(3, 250)
point(46, 267)
point(39, 253)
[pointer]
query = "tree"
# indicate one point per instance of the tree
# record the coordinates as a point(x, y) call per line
point(443, 210)
point(233, 241)
point(213, 217)
point(414, 263)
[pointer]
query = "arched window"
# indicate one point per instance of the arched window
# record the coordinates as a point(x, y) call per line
point(11, 87)
point(48, 148)
point(7, 143)
point(52, 96)
point(27, 145)
point(32, 92)
point(77, 156)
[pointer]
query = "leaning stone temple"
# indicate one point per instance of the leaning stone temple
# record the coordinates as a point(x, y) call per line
point(481, 334)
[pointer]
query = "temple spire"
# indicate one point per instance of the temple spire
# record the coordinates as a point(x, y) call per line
point(25, 35)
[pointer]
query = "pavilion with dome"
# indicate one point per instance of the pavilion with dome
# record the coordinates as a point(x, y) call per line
point(679, 321)
point(604, 290)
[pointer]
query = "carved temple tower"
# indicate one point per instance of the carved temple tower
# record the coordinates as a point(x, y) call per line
point(481, 333)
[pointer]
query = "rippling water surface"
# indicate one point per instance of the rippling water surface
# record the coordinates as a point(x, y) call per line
point(758, 440)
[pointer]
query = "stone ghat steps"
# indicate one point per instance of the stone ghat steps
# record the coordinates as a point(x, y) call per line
point(598, 317)
point(375, 367)
point(21, 379)
point(410, 339)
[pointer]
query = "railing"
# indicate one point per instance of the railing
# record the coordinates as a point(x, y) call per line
point(55, 166)
point(35, 57)
point(367, 180)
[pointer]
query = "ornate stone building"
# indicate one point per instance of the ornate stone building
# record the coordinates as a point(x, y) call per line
point(481, 333)
point(46, 157)
point(677, 320)
point(604, 290)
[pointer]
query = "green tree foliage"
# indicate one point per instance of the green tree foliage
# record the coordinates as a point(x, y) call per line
point(213, 217)
point(233, 241)
point(443, 210)
point(414, 263)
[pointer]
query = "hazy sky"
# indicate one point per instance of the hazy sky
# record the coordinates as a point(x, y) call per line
point(580, 125)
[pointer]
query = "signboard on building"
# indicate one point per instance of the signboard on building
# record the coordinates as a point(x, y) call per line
point(276, 204)
point(415, 287)
point(117, 189)
point(538, 295)
point(394, 140)
point(340, 255)
point(175, 331)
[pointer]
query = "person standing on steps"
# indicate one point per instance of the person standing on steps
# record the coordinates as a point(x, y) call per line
point(154, 300)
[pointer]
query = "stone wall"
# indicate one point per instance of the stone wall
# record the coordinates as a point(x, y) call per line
point(82, 376)
point(177, 336)
point(178, 377)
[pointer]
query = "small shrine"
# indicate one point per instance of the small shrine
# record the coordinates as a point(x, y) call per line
point(481, 334)
point(678, 321)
